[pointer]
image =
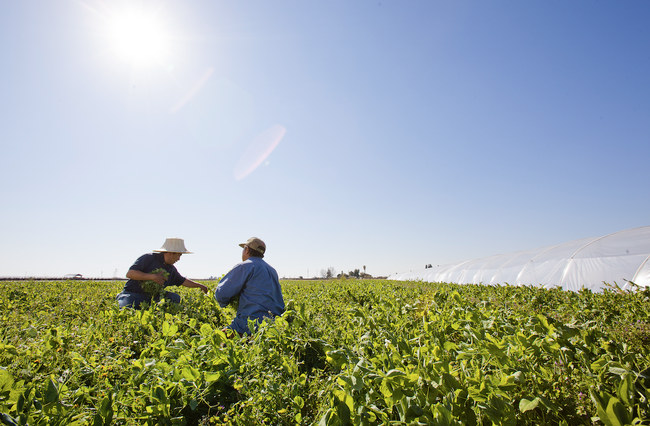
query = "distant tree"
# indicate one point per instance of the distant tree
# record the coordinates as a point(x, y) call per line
point(364, 269)
point(331, 272)
point(354, 273)
point(323, 273)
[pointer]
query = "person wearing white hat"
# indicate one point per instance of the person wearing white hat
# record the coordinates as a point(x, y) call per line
point(150, 267)
point(255, 284)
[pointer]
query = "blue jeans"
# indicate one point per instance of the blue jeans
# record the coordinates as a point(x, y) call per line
point(133, 300)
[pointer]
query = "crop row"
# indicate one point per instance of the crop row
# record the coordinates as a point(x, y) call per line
point(345, 352)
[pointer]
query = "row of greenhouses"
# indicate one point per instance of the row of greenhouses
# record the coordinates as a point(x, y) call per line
point(621, 257)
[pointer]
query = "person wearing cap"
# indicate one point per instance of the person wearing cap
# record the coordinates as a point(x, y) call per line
point(163, 258)
point(255, 283)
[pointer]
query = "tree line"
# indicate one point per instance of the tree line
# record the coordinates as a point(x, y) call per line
point(331, 273)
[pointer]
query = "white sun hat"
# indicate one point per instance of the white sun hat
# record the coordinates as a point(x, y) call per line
point(174, 245)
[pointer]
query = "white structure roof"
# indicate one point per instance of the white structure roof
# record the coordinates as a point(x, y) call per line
point(589, 262)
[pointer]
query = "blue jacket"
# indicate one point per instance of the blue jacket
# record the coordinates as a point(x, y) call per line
point(258, 287)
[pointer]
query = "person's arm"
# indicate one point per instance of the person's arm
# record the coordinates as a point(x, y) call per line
point(143, 276)
point(231, 285)
point(193, 284)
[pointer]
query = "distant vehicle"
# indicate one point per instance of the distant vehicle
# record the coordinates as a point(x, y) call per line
point(73, 276)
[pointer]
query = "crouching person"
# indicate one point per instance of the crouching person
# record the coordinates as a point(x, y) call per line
point(152, 273)
point(255, 284)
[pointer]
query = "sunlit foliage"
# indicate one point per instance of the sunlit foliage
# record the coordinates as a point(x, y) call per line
point(356, 352)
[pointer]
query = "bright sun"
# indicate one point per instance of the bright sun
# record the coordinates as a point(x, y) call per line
point(138, 38)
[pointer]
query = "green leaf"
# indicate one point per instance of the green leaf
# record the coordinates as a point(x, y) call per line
point(527, 405)
point(596, 366)
point(437, 352)
point(190, 373)
point(442, 414)
point(345, 381)
point(106, 408)
point(398, 393)
point(450, 346)
point(6, 381)
point(544, 322)
point(357, 383)
point(169, 329)
point(206, 330)
point(385, 389)
point(328, 418)
point(395, 373)
point(11, 349)
point(617, 413)
point(337, 358)
point(507, 383)
point(160, 394)
point(345, 398)
point(20, 404)
point(299, 402)
point(8, 420)
point(414, 411)
point(625, 388)
point(343, 412)
point(368, 415)
point(51, 393)
point(618, 371)
point(450, 381)
point(97, 420)
point(600, 406)
point(548, 404)
point(212, 377)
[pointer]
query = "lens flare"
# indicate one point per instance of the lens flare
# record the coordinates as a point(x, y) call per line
point(259, 149)
point(193, 91)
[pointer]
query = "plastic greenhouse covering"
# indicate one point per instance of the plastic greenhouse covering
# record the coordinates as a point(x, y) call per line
point(619, 258)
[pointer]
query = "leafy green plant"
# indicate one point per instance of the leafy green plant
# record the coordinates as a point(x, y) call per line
point(345, 352)
point(153, 288)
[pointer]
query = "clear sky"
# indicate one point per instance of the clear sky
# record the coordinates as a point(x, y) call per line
point(344, 133)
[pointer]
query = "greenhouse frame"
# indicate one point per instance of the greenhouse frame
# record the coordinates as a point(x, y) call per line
point(621, 258)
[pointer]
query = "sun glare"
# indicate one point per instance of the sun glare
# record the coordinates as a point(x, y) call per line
point(138, 38)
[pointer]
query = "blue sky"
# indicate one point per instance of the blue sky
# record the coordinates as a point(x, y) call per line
point(410, 132)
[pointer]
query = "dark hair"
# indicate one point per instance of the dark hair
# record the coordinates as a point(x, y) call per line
point(254, 253)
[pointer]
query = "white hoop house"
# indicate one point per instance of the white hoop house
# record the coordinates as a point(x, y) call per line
point(589, 262)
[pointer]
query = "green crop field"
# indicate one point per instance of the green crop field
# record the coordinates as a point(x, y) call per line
point(345, 352)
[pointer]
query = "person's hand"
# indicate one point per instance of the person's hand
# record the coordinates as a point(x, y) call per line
point(158, 278)
point(204, 289)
